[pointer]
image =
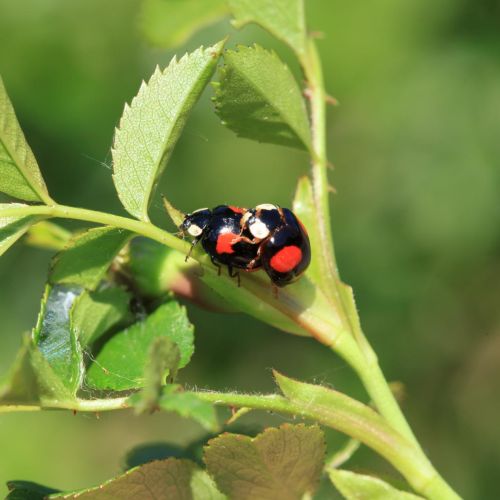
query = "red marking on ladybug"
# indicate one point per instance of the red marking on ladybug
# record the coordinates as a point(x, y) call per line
point(237, 210)
point(225, 243)
point(286, 259)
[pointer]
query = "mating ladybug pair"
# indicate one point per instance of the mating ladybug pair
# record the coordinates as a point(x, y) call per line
point(266, 236)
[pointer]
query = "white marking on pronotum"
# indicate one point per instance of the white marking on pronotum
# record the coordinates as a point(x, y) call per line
point(259, 230)
point(194, 230)
point(244, 219)
point(266, 206)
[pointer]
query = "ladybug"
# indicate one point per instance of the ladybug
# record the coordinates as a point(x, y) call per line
point(284, 250)
point(222, 237)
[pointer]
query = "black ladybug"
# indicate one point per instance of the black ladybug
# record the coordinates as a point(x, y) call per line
point(284, 249)
point(222, 237)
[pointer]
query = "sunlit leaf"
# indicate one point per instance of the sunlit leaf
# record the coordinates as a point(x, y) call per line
point(151, 125)
point(121, 362)
point(283, 18)
point(12, 228)
point(87, 256)
point(283, 463)
point(168, 23)
point(54, 337)
point(258, 98)
point(362, 487)
point(20, 176)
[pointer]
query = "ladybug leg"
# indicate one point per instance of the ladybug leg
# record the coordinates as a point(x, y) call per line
point(276, 291)
point(216, 264)
point(245, 239)
point(193, 244)
point(252, 263)
point(234, 274)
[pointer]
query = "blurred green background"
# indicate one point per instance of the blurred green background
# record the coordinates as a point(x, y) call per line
point(416, 147)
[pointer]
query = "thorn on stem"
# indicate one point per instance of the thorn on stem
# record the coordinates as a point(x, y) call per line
point(308, 93)
point(317, 35)
point(331, 100)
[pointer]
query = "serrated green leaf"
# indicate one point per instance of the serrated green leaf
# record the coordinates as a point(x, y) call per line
point(168, 23)
point(362, 487)
point(303, 207)
point(188, 405)
point(31, 380)
point(172, 479)
point(20, 176)
point(284, 19)
point(94, 313)
point(12, 228)
point(121, 362)
point(258, 98)
point(279, 464)
point(55, 338)
point(47, 235)
point(151, 125)
point(87, 256)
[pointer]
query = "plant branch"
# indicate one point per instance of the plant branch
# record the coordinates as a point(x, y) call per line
point(138, 227)
point(314, 75)
point(354, 348)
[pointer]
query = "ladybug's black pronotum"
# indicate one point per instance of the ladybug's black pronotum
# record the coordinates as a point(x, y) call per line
point(222, 237)
point(266, 236)
point(284, 249)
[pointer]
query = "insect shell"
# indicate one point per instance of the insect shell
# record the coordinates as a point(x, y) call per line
point(284, 248)
point(221, 235)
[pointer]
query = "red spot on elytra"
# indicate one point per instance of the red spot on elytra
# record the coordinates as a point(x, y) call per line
point(236, 210)
point(225, 242)
point(286, 259)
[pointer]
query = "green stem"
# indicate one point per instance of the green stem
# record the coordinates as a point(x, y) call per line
point(354, 347)
point(360, 357)
point(321, 189)
point(61, 211)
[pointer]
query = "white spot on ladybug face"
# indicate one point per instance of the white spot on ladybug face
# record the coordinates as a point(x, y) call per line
point(259, 230)
point(266, 206)
point(194, 230)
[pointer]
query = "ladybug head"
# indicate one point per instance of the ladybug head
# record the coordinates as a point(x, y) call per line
point(194, 224)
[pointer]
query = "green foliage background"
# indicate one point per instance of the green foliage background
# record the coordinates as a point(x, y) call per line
point(416, 218)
